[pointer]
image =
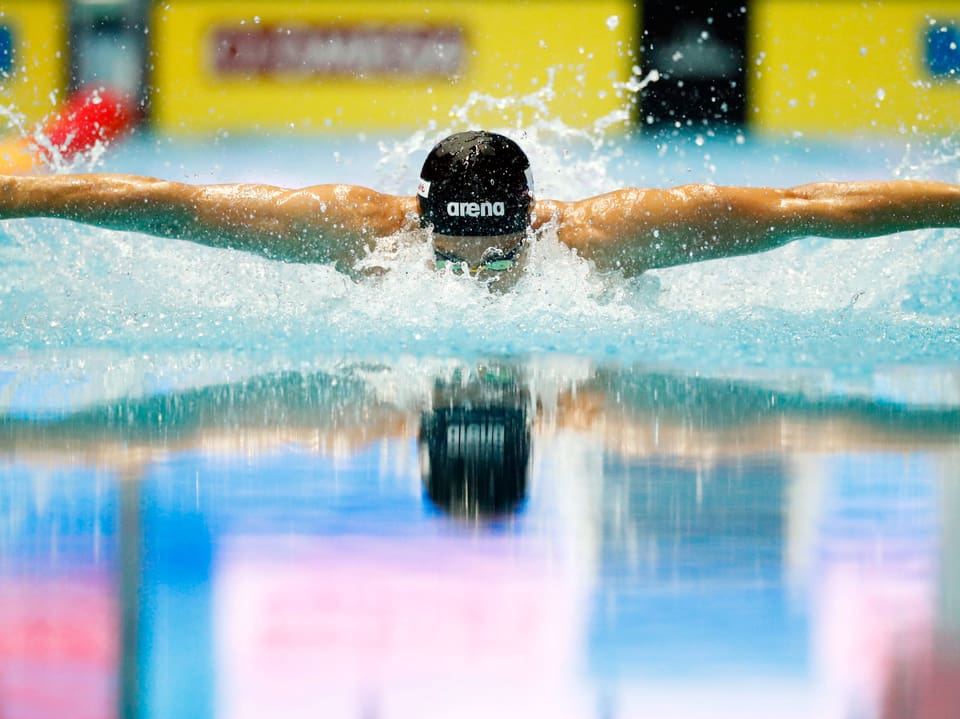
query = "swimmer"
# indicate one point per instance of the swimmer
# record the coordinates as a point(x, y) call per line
point(476, 197)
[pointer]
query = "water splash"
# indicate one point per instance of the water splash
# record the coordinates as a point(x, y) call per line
point(82, 303)
point(50, 155)
point(564, 156)
point(15, 121)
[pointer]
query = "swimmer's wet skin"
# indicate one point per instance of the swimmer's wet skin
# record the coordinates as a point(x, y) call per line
point(476, 197)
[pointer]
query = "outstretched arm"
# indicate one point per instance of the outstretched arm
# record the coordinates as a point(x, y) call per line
point(324, 223)
point(637, 229)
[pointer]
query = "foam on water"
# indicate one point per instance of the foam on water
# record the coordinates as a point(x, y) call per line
point(83, 302)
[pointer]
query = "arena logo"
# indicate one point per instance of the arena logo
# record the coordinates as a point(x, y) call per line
point(476, 209)
point(338, 50)
point(474, 439)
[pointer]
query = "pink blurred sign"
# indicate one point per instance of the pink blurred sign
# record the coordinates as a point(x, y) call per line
point(408, 627)
point(338, 50)
point(59, 647)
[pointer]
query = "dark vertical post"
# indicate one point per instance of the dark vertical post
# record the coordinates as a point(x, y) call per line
point(699, 49)
point(130, 541)
point(108, 46)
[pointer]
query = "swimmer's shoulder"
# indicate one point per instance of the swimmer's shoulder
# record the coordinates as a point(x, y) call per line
point(594, 208)
point(593, 219)
point(352, 210)
point(612, 229)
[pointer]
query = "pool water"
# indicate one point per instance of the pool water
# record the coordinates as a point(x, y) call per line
point(230, 485)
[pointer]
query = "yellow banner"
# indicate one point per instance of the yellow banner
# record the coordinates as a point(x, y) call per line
point(847, 65)
point(378, 65)
point(33, 56)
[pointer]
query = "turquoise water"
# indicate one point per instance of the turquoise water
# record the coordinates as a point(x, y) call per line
point(138, 311)
point(739, 497)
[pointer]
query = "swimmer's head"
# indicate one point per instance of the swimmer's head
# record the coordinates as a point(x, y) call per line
point(475, 184)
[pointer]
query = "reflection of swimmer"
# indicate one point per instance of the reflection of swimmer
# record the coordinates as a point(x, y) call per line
point(475, 447)
point(90, 116)
point(476, 194)
point(493, 408)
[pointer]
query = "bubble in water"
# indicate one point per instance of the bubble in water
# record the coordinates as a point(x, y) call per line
point(612, 22)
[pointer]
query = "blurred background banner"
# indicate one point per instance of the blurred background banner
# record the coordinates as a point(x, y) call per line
point(33, 55)
point(852, 66)
point(382, 65)
point(776, 66)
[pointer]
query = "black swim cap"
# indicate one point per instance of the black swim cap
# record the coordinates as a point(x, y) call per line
point(475, 183)
point(479, 457)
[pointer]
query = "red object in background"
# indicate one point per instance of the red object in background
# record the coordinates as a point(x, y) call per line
point(91, 115)
point(925, 685)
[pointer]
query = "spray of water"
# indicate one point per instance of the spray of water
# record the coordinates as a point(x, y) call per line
point(55, 154)
point(87, 302)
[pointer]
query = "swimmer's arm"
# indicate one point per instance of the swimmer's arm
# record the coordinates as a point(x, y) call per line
point(323, 223)
point(636, 229)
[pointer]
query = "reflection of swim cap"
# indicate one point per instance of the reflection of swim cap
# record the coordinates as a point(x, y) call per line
point(475, 183)
point(476, 458)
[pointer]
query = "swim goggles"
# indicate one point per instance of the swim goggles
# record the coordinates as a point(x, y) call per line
point(493, 260)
